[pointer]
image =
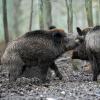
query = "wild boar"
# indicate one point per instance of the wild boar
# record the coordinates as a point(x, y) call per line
point(37, 50)
point(89, 49)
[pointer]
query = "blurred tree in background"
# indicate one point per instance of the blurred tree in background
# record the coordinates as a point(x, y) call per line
point(16, 13)
point(69, 15)
point(26, 15)
point(45, 16)
point(31, 16)
point(47, 13)
point(41, 13)
point(5, 21)
point(88, 6)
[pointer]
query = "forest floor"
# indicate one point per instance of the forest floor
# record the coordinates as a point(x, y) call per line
point(76, 85)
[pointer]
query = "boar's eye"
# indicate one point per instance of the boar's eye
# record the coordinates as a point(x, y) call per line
point(57, 37)
point(80, 38)
point(79, 31)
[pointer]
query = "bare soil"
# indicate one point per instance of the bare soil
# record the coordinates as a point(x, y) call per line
point(76, 85)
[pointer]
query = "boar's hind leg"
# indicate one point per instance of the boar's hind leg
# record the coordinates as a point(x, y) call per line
point(95, 75)
point(95, 71)
point(55, 68)
point(15, 67)
point(95, 68)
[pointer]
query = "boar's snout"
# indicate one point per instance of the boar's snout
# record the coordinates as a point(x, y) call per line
point(71, 44)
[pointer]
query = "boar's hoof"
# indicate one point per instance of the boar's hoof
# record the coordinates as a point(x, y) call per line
point(46, 81)
point(12, 78)
point(94, 78)
point(60, 76)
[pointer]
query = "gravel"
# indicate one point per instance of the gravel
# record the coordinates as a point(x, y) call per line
point(76, 85)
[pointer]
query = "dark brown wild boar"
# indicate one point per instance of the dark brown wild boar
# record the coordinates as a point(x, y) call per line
point(89, 49)
point(37, 50)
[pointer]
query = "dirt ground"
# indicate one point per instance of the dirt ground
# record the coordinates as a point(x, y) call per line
point(76, 85)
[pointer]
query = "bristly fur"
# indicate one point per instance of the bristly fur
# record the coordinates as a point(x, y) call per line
point(45, 33)
point(33, 53)
point(91, 47)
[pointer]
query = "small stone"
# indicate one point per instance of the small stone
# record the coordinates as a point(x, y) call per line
point(63, 93)
point(51, 99)
point(41, 97)
point(12, 94)
point(21, 93)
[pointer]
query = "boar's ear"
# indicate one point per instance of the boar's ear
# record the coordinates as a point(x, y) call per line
point(51, 27)
point(57, 37)
point(79, 31)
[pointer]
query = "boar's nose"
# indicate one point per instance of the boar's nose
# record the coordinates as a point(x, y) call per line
point(70, 44)
point(66, 39)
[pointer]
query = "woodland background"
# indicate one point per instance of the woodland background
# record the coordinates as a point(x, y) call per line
point(20, 16)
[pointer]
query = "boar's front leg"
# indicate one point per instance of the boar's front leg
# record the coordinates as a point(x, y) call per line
point(15, 67)
point(55, 68)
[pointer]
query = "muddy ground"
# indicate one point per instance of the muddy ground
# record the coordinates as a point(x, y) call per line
point(76, 85)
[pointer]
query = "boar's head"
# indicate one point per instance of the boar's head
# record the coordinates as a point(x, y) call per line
point(80, 51)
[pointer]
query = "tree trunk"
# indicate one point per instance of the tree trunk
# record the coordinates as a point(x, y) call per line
point(47, 13)
point(88, 6)
point(16, 13)
point(31, 16)
point(97, 14)
point(69, 15)
point(99, 4)
point(41, 13)
point(5, 22)
point(99, 10)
